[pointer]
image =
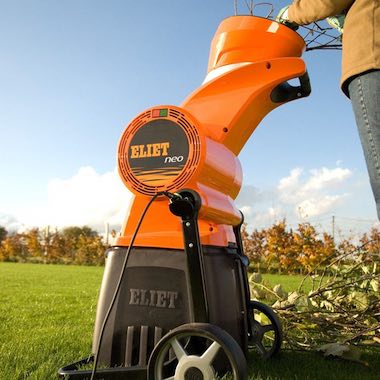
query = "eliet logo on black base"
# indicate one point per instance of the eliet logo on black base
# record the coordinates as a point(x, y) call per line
point(153, 298)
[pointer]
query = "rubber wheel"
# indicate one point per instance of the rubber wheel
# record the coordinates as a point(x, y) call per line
point(202, 352)
point(266, 334)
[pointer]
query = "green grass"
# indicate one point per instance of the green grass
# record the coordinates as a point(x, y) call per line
point(289, 283)
point(47, 315)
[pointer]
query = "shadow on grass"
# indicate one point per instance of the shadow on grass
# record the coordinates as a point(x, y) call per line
point(311, 366)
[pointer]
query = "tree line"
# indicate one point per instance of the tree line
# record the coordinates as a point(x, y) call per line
point(277, 249)
point(72, 245)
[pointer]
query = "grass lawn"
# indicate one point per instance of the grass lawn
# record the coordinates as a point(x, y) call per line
point(289, 283)
point(47, 315)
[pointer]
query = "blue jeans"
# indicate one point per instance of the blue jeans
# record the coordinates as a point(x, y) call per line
point(365, 97)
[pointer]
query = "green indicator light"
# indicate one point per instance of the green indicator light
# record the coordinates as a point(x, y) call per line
point(164, 112)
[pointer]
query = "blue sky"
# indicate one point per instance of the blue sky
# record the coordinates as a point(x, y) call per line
point(74, 73)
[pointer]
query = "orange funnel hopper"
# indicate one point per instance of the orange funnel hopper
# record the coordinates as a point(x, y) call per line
point(195, 146)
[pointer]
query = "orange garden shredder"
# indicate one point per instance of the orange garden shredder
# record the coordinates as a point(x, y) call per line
point(175, 301)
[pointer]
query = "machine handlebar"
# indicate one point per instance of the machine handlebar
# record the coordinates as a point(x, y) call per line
point(285, 92)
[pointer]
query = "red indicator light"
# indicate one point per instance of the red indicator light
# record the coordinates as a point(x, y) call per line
point(163, 112)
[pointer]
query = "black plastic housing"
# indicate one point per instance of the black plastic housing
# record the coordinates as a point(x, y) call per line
point(156, 296)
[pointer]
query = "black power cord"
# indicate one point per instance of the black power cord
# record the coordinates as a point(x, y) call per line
point(172, 197)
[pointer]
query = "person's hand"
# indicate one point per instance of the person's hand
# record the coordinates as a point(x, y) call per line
point(283, 18)
point(337, 22)
point(283, 15)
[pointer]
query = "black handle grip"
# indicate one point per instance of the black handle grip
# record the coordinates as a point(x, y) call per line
point(305, 86)
point(285, 92)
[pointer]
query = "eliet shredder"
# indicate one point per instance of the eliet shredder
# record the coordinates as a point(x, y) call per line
point(174, 301)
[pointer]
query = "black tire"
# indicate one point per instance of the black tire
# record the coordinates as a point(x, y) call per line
point(213, 347)
point(266, 338)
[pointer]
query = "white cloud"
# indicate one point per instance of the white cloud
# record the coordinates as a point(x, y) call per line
point(298, 186)
point(10, 222)
point(318, 205)
point(87, 198)
point(301, 194)
point(267, 217)
point(326, 178)
point(312, 194)
point(291, 181)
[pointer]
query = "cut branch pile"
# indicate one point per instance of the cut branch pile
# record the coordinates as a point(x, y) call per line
point(341, 310)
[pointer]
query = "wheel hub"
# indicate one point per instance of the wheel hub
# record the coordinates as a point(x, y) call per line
point(194, 373)
point(195, 367)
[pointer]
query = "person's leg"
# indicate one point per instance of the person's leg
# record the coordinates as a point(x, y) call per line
point(365, 97)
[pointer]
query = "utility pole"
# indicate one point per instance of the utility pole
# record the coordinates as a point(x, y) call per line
point(107, 232)
point(47, 242)
point(333, 227)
